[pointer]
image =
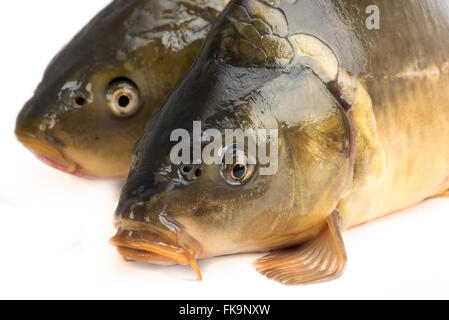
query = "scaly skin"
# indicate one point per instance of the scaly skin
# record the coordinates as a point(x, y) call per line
point(150, 42)
point(404, 67)
point(363, 128)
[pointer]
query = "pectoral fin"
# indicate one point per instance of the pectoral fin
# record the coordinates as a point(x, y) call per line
point(444, 194)
point(320, 259)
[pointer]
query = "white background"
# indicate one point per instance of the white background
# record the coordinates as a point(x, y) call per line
point(54, 228)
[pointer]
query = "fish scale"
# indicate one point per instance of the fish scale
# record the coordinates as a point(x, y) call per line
point(138, 47)
point(417, 162)
point(361, 117)
point(363, 126)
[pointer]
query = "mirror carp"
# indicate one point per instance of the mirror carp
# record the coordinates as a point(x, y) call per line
point(362, 116)
point(100, 91)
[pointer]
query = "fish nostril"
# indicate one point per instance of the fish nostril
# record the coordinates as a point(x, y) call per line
point(198, 172)
point(80, 101)
point(187, 169)
point(191, 172)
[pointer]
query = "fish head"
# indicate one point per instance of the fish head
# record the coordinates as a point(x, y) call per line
point(254, 200)
point(99, 92)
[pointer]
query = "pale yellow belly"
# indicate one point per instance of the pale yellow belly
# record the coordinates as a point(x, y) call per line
point(412, 115)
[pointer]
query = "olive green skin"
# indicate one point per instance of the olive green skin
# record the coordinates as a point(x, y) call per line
point(150, 42)
point(230, 86)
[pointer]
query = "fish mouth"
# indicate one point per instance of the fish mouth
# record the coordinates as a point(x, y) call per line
point(152, 245)
point(52, 156)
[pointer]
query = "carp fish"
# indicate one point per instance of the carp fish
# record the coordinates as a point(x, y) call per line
point(100, 91)
point(362, 115)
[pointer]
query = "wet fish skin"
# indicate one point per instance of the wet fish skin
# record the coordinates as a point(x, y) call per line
point(363, 131)
point(222, 218)
point(149, 44)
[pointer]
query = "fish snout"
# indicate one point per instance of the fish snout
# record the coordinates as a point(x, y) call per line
point(158, 240)
point(35, 134)
point(26, 124)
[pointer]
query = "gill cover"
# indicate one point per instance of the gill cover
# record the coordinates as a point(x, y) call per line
point(253, 74)
point(321, 137)
point(255, 34)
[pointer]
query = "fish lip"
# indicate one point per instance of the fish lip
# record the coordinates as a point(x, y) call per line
point(52, 155)
point(155, 246)
point(161, 250)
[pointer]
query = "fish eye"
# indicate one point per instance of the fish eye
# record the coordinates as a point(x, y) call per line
point(123, 98)
point(238, 173)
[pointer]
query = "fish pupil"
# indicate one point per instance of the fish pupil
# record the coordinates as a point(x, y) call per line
point(123, 101)
point(239, 171)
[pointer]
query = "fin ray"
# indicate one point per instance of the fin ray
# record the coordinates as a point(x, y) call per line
point(320, 259)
